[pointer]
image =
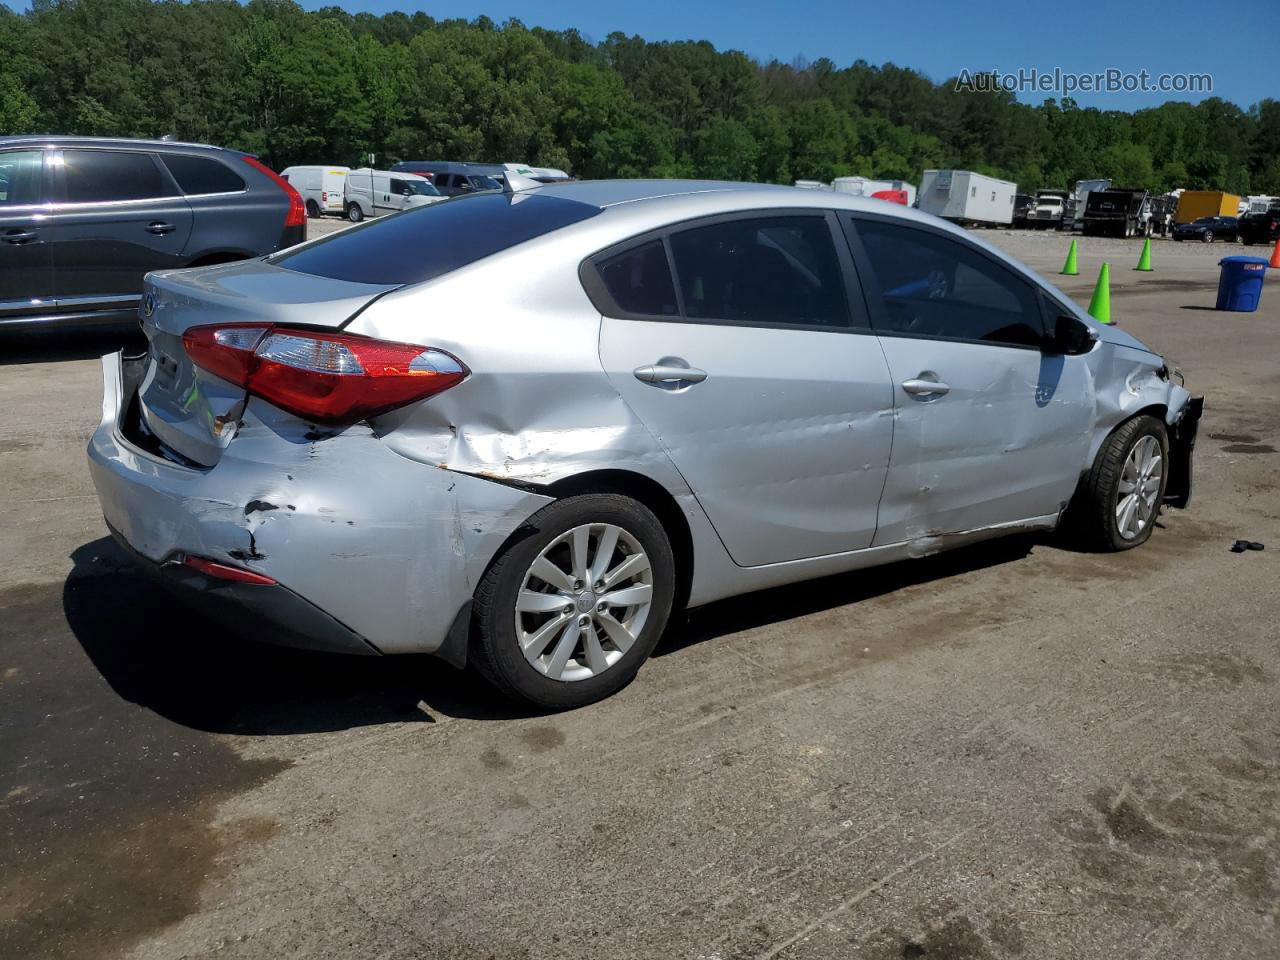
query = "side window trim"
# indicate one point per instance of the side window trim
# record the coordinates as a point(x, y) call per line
point(211, 193)
point(873, 295)
point(859, 321)
point(60, 191)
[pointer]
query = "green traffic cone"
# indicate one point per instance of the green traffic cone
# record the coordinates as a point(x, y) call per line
point(1144, 261)
point(1100, 305)
point(1069, 268)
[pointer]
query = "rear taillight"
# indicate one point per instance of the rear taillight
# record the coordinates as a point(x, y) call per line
point(297, 215)
point(333, 378)
point(224, 571)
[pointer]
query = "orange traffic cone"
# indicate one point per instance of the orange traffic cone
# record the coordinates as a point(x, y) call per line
point(1275, 255)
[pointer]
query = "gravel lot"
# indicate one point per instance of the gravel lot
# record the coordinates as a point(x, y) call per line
point(1009, 751)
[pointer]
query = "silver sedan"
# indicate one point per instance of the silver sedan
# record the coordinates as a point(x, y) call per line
point(518, 429)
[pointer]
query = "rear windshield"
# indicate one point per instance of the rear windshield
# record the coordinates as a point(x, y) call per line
point(430, 241)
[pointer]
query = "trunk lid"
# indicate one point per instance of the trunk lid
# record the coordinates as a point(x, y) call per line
point(190, 411)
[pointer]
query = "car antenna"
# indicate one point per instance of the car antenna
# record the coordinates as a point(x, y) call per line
point(514, 183)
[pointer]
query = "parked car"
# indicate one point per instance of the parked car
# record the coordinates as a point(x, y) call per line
point(323, 189)
point(83, 219)
point(453, 179)
point(372, 193)
point(1209, 229)
point(569, 442)
point(1260, 227)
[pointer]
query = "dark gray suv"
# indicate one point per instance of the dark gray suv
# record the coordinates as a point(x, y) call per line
point(83, 219)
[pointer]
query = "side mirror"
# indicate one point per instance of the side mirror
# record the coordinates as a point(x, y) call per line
point(1071, 337)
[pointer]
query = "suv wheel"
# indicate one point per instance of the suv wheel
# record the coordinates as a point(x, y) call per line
point(567, 615)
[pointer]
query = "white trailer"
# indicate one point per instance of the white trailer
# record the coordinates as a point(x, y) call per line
point(967, 197)
point(1074, 216)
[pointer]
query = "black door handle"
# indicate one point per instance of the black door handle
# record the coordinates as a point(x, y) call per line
point(159, 227)
point(19, 236)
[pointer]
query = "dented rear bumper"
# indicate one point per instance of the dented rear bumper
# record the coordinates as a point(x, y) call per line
point(387, 548)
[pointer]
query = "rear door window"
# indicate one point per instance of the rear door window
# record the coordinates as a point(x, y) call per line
point(778, 271)
point(107, 176)
point(639, 281)
point(197, 175)
point(21, 178)
point(934, 287)
point(429, 241)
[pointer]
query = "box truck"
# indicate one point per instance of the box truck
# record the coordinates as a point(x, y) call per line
point(1194, 204)
point(966, 197)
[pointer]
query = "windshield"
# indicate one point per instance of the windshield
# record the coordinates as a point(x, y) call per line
point(1050, 201)
point(422, 188)
point(1203, 222)
point(485, 183)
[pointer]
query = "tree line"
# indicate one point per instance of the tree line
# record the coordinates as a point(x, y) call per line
point(331, 87)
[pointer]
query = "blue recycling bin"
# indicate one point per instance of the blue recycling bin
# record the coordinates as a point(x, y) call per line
point(1240, 283)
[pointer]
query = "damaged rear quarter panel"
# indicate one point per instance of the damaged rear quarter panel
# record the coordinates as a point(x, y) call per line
point(537, 406)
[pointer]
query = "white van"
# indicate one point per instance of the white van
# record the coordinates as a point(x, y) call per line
point(371, 193)
point(322, 188)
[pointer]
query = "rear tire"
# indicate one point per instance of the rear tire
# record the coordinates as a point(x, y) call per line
point(313, 210)
point(354, 213)
point(1099, 517)
point(559, 642)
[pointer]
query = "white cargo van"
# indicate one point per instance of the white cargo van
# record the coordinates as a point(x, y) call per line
point(322, 188)
point(966, 197)
point(371, 193)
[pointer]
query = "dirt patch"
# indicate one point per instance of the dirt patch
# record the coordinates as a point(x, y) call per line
point(108, 809)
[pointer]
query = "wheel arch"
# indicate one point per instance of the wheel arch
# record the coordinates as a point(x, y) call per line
point(653, 495)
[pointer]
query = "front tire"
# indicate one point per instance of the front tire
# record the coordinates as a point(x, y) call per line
point(1119, 502)
point(567, 614)
point(354, 213)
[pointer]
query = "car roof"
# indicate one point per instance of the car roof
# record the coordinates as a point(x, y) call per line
point(55, 140)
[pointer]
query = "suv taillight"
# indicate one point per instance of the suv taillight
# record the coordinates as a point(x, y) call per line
point(297, 215)
point(332, 378)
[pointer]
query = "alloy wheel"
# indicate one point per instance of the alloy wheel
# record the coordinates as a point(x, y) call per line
point(583, 602)
point(1139, 487)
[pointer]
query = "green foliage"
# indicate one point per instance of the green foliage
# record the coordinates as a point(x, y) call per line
point(330, 87)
